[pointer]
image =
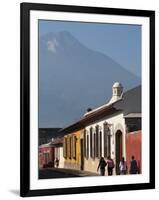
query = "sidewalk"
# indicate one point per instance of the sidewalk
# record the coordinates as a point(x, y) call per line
point(74, 172)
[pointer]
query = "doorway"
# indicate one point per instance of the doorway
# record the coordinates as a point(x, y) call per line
point(119, 151)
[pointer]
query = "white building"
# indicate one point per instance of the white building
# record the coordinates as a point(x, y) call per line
point(105, 134)
point(105, 128)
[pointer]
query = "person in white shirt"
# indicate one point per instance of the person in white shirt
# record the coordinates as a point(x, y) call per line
point(123, 166)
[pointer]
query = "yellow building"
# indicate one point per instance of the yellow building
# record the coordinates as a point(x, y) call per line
point(73, 150)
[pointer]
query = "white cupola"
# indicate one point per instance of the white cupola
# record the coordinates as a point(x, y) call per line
point(117, 91)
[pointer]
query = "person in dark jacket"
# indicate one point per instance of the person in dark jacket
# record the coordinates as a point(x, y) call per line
point(133, 166)
point(102, 164)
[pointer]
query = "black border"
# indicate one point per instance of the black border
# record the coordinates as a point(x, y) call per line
point(25, 9)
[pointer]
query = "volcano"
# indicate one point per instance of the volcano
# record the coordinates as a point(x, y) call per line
point(73, 77)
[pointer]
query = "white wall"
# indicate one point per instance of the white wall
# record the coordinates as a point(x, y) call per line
point(9, 98)
point(59, 155)
point(114, 120)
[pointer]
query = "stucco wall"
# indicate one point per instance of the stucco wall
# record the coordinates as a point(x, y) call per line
point(42, 152)
point(116, 122)
point(61, 163)
point(59, 155)
point(133, 148)
point(74, 163)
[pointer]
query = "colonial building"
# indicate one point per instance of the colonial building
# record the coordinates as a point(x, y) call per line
point(73, 147)
point(106, 127)
point(46, 155)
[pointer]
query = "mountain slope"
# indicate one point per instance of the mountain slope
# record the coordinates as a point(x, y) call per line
point(73, 78)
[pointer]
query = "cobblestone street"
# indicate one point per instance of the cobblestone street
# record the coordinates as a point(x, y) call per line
point(63, 173)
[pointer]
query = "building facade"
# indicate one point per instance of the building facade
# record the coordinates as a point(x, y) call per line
point(46, 155)
point(108, 133)
point(104, 131)
point(72, 150)
point(105, 138)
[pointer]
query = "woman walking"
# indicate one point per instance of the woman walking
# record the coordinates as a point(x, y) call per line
point(123, 166)
point(110, 164)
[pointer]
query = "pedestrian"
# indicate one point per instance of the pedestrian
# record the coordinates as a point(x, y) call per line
point(123, 166)
point(102, 164)
point(110, 167)
point(57, 162)
point(133, 166)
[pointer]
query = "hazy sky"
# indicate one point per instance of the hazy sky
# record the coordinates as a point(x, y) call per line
point(58, 91)
point(120, 42)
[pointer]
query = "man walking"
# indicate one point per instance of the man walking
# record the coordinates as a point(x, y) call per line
point(133, 166)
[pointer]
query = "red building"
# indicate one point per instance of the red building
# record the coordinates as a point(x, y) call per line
point(133, 148)
point(46, 155)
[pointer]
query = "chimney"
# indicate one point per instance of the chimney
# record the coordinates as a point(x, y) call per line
point(89, 109)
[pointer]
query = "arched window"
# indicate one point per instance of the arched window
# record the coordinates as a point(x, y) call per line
point(84, 145)
point(70, 148)
point(96, 141)
point(65, 147)
point(74, 146)
point(91, 142)
point(100, 144)
point(87, 146)
point(107, 141)
point(94, 145)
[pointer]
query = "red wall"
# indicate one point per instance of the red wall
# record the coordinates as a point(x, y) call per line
point(133, 148)
point(42, 151)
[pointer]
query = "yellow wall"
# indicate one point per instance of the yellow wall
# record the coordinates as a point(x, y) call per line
point(73, 162)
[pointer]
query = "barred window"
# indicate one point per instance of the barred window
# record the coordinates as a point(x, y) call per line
point(94, 145)
point(97, 132)
point(107, 141)
point(100, 144)
point(91, 143)
point(87, 146)
point(70, 147)
point(65, 147)
point(74, 146)
point(84, 149)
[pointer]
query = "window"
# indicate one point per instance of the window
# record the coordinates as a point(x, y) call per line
point(65, 148)
point(97, 130)
point(46, 157)
point(94, 145)
point(70, 143)
point(84, 149)
point(87, 146)
point(100, 144)
point(68, 147)
point(107, 141)
point(109, 144)
point(91, 143)
point(74, 146)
